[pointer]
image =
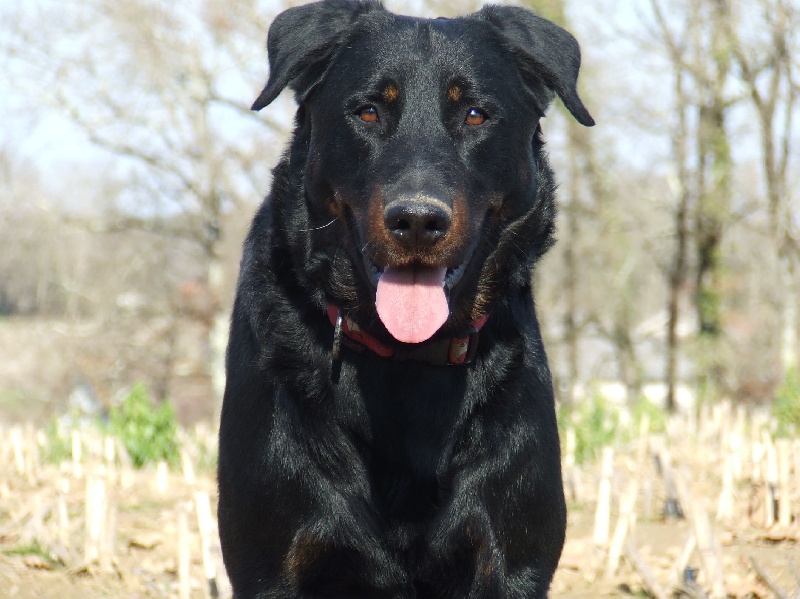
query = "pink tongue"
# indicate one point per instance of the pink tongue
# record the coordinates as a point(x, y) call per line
point(411, 302)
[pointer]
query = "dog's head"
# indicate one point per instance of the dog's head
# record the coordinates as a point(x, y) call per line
point(423, 190)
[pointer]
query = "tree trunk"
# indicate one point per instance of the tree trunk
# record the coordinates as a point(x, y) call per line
point(677, 274)
point(713, 207)
point(677, 270)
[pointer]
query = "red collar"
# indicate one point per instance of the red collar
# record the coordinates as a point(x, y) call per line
point(454, 351)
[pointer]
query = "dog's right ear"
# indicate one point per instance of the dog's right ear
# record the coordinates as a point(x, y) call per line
point(303, 40)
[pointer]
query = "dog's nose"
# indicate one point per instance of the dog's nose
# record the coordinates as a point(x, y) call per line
point(417, 222)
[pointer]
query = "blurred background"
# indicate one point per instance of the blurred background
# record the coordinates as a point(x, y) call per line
point(130, 166)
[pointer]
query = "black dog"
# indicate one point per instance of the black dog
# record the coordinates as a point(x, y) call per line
point(388, 427)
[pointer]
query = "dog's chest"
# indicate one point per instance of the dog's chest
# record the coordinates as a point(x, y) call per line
point(414, 414)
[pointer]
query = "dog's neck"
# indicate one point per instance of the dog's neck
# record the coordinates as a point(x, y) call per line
point(449, 351)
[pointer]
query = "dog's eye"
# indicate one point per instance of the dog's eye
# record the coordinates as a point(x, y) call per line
point(475, 116)
point(368, 114)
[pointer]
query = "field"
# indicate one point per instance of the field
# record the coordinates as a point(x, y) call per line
point(707, 506)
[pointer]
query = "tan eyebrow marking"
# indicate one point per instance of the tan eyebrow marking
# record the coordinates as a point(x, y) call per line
point(390, 93)
point(454, 93)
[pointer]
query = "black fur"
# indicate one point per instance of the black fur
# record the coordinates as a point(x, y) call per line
point(401, 479)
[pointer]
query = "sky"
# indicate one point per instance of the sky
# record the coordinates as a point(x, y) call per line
point(628, 92)
point(45, 136)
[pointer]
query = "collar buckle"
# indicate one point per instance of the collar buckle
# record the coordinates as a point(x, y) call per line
point(336, 350)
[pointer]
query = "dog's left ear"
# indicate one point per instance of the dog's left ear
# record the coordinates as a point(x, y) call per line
point(544, 51)
point(303, 40)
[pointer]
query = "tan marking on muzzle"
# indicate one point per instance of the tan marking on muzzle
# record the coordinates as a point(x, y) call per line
point(387, 250)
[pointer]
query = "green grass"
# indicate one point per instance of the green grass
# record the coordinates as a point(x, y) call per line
point(206, 459)
point(786, 406)
point(34, 548)
point(596, 422)
point(149, 432)
point(59, 445)
point(657, 417)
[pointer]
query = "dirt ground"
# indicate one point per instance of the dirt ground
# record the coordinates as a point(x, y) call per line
point(45, 528)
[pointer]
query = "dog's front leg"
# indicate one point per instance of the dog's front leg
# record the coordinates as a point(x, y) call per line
point(339, 554)
point(294, 521)
point(502, 531)
point(474, 562)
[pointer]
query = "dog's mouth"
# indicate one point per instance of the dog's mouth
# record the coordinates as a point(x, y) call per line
point(451, 278)
point(413, 301)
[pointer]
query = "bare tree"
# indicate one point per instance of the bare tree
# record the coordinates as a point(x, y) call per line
point(161, 90)
point(768, 71)
point(676, 49)
point(714, 185)
point(700, 61)
point(164, 89)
